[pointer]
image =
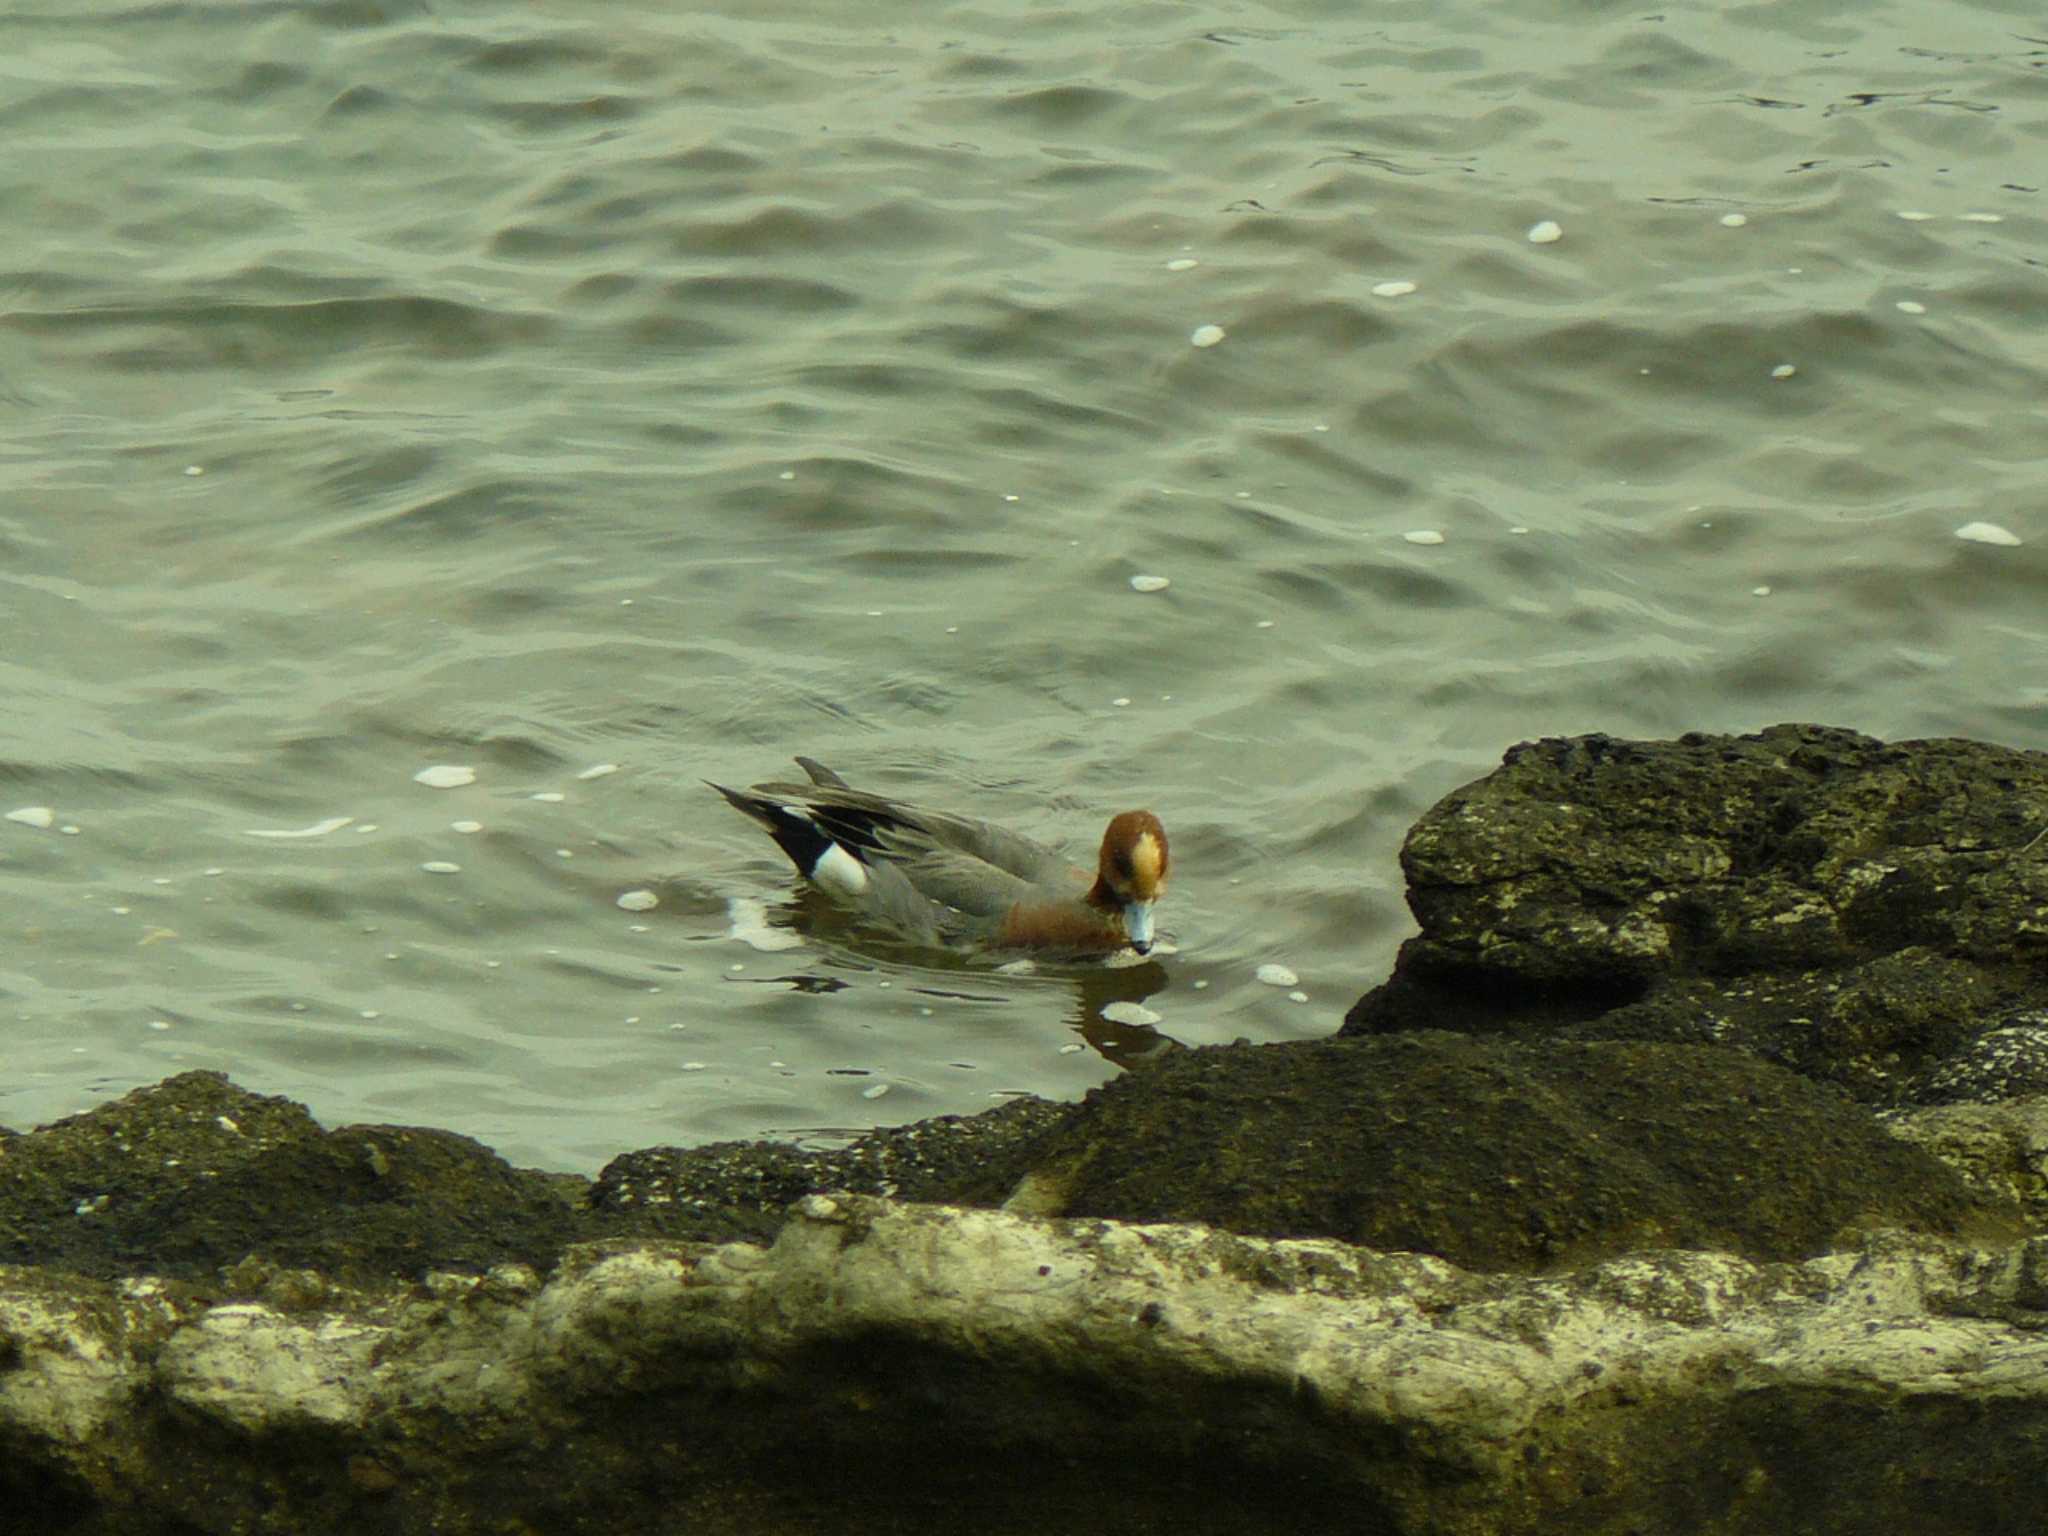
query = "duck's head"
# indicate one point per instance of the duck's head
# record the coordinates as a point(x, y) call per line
point(1131, 872)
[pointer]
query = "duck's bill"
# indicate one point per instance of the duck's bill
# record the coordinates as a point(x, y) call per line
point(1138, 925)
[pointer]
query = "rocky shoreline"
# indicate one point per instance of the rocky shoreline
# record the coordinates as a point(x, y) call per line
point(1689, 1173)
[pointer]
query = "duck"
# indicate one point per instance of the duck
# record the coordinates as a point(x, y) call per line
point(945, 879)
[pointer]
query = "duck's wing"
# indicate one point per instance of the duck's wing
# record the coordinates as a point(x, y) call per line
point(854, 818)
point(960, 880)
point(874, 825)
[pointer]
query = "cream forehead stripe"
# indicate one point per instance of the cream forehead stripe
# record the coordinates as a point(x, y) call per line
point(1145, 860)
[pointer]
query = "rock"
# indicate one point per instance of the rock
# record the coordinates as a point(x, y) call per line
point(193, 1175)
point(2009, 1060)
point(198, 1181)
point(251, 1369)
point(1853, 910)
point(884, 1366)
point(1998, 1150)
point(1877, 1029)
point(1494, 1154)
point(744, 1189)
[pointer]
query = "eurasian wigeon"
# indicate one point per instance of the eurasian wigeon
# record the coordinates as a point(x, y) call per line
point(942, 878)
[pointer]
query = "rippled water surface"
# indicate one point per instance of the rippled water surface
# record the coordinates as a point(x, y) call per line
point(542, 390)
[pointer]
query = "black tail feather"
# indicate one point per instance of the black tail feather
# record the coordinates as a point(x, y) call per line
point(820, 774)
point(794, 831)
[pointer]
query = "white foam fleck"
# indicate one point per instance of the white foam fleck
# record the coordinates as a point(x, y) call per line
point(1398, 289)
point(1914, 215)
point(598, 770)
point(1982, 218)
point(1263, 624)
point(1072, 1049)
point(549, 796)
point(1734, 220)
point(441, 867)
point(875, 1091)
point(1129, 1013)
point(1423, 536)
point(1297, 997)
point(159, 1023)
point(1545, 232)
point(1783, 371)
point(34, 816)
point(445, 776)
point(1988, 533)
point(1018, 968)
point(195, 469)
point(638, 901)
point(1149, 583)
point(69, 829)
point(691, 1066)
point(318, 829)
point(1759, 591)
point(1206, 335)
point(787, 474)
point(1121, 702)
point(1182, 264)
point(465, 827)
point(1202, 985)
point(1911, 307)
point(1276, 975)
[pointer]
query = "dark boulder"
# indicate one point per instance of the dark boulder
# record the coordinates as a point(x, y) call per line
point(193, 1175)
point(1498, 1155)
point(1857, 911)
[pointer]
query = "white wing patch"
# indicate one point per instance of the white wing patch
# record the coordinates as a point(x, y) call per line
point(840, 872)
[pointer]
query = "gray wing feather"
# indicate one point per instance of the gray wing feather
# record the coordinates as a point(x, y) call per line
point(905, 830)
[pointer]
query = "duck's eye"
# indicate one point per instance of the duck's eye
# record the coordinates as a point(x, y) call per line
point(1120, 861)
